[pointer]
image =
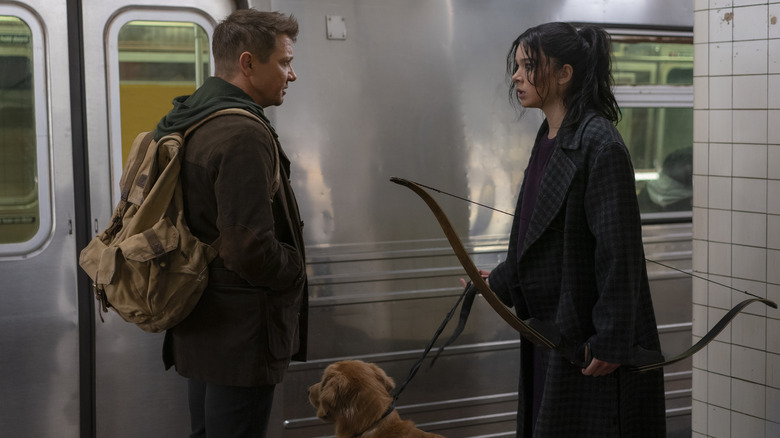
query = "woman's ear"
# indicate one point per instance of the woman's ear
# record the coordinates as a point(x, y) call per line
point(564, 74)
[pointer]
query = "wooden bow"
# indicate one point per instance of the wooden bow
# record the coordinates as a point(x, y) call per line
point(546, 335)
point(541, 334)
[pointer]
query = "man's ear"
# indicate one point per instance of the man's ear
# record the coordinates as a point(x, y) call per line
point(246, 61)
point(564, 74)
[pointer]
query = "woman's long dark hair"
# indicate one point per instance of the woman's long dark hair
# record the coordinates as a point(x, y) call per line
point(587, 50)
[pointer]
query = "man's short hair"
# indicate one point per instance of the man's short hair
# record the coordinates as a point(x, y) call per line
point(249, 30)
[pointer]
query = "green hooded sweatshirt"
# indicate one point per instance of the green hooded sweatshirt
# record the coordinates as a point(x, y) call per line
point(215, 94)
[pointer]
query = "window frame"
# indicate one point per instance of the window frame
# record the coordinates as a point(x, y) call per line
point(656, 96)
point(43, 146)
point(112, 74)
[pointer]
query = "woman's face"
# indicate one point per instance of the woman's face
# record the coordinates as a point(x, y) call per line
point(532, 91)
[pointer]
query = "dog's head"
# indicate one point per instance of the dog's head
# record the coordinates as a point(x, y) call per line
point(352, 393)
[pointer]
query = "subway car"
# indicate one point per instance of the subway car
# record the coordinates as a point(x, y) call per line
point(409, 88)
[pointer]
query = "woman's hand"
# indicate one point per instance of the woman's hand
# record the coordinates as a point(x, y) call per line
point(599, 368)
point(483, 273)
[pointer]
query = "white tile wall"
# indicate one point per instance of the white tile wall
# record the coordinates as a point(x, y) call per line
point(773, 261)
point(719, 391)
point(773, 231)
point(720, 58)
point(720, 92)
point(699, 417)
point(749, 2)
point(773, 91)
point(751, 396)
point(773, 61)
point(700, 191)
point(719, 192)
point(736, 215)
point(701, 52)
point(750, 92)
point(750, 126)
point(746, 426)
point(720, 125)
point(716, 4)
point(719, 292)
point(749, 364)
point(772, 429)
point(750, 57)
point(756, 288)
point(719, 225)
point(773, 336)
point(720, 24)
point(749, 229)
point(750, 23)
point(748, 262)
point(773, 196)
point(719, 422)
point(749, 194)
point(750, 160)
point(720, 159)
point(719, 357)
point(701, 89)
point(773, 132)
point(749, 331)
point(773, 405)
point(772, 371)
point(700, 218)
point(719, 258)
point(773, 151)
point(774, 21)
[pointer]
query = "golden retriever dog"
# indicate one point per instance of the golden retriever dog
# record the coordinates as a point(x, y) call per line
point(355, 396)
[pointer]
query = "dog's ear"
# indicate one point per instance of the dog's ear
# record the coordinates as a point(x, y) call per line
point(332, 392)
point(386, 380)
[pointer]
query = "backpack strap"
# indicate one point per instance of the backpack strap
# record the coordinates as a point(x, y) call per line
point(242, 112)
point(133, 169)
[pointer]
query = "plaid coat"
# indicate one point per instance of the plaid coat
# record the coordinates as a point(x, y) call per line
point(582, 266)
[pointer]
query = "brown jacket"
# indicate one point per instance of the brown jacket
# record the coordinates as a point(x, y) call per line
point(252, 318)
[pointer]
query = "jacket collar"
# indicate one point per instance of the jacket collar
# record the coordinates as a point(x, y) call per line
point(568, 137)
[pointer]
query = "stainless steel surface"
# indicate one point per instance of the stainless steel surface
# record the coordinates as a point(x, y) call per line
point(39, 394)
point(415, 89)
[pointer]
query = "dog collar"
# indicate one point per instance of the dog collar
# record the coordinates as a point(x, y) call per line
point(390, 409)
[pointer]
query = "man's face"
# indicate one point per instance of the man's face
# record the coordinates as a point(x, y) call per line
point(269, 80)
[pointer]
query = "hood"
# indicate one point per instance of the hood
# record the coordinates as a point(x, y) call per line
point(215, 94)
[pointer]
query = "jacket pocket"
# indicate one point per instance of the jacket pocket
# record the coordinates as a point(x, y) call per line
point(282, 313)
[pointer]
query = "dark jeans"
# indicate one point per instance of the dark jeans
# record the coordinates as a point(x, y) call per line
point(218, 411)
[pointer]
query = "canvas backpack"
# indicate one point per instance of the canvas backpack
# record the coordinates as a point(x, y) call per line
point(146, 264)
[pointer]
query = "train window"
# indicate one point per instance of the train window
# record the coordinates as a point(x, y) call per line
point(25, 215)
point(157, 61)
point(654, 87)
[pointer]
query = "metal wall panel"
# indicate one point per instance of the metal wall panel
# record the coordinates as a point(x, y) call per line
point(416, 89)
point(39, 388)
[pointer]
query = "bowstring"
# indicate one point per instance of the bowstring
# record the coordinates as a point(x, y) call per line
point(646, 259)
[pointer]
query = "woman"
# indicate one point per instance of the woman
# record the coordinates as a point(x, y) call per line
point(575, 254)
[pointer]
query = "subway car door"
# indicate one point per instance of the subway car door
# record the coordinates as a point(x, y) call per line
point(39, 392)
point(138, 56)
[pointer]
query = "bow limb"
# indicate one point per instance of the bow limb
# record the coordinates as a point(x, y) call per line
point(707, 338)
point(532, 333)
point(546, 335)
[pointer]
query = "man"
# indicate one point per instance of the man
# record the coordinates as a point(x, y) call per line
point(251, 320)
